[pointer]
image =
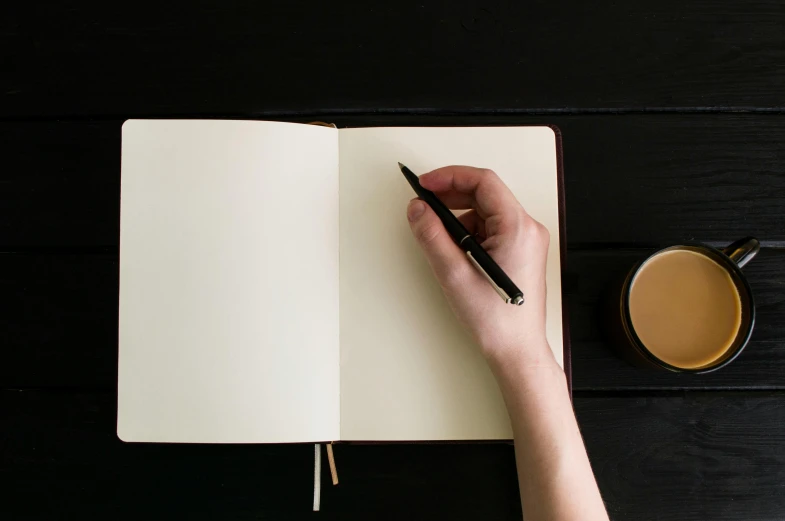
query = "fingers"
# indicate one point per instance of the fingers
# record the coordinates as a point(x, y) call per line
point(456, 200)
point(442, 253)
point(473, 223)
point(469, 187)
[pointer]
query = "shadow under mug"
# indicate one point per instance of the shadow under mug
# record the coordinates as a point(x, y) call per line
point(627, 343)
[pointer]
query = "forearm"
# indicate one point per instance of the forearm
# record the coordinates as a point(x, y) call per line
point(555, 478)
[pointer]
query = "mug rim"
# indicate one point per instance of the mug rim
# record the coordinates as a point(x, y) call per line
point(729, 265)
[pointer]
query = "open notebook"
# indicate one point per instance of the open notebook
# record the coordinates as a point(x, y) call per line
point(271, 291)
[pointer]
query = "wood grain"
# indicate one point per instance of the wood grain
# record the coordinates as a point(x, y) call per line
point(60, 185)
point(630, 180)
point(187, 58)
point(638, 174)
point(58, 321)
point(692, 457)
point(700, 456)
point(58, 324)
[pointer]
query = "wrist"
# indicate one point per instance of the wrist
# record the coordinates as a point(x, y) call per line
point(526, 363)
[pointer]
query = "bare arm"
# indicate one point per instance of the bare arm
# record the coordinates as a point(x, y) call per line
point(555, 478)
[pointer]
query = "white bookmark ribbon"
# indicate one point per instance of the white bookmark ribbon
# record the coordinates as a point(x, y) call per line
point(317, 474)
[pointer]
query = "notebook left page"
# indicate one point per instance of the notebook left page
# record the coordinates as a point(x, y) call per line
point(228, 329)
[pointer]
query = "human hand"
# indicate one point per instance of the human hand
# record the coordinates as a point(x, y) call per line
point(517, 242)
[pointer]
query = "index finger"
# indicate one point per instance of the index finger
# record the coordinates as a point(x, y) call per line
point(470, 187)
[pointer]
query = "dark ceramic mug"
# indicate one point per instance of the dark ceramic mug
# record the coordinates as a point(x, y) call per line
point(630, 347)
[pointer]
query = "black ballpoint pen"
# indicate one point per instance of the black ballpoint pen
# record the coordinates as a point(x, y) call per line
point(478, 256)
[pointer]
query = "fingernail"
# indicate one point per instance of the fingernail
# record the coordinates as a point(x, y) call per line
point(415, 210)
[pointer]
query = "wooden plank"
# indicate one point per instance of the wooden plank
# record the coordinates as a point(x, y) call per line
point(58, 321)
point(58, 324)
point(186, 57)
point(60, 185)
point(630, 180)
point(693, 457)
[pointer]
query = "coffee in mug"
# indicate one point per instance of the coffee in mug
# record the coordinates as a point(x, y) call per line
point(686, 308)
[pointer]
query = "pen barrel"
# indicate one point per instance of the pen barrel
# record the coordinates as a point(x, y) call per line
point(451, 223)
point(492, 271)
point(454, 227)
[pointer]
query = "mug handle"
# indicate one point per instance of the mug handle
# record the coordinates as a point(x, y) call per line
point(742, 251)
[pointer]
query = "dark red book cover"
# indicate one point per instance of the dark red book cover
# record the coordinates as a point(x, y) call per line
point(567, 353)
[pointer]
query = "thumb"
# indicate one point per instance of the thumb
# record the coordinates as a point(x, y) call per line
point(442, 253)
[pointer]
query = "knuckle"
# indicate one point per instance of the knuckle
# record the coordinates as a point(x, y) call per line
point(546, 236)
point(522, 218)
point(535, 230)
point(520, 221)
point(427, 233)
point(541, 233)
point(489, 175)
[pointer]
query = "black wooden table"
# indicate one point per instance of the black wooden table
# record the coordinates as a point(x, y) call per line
point(673, 116)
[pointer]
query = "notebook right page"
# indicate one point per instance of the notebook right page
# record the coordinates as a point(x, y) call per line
point(409, 371)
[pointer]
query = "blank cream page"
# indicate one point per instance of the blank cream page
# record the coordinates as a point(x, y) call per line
point(228, 283)
point(409, 371)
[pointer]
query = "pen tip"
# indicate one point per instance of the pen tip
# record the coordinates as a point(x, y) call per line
point(401, 165)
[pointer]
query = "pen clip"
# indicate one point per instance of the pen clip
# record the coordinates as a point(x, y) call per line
point(503, 294)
